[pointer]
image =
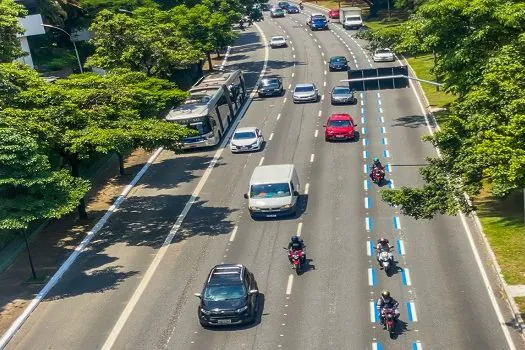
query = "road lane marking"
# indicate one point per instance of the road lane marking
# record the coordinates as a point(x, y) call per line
point(324, 83)
point(391, 184)
point(363, 131)
point(316, 133)
point(271, 137)
point(234, 232)
point(299, 229)
point(373, 312)
point(293, 74)
point(386, 153)
point(362, 110)
point(312, 157)
point(368, 223)
point(306, 188)
point(388, 167)
point(362, 102)
point(322, 98)
point(290, 85)
point(365, 142)
point(417, 345)
point(319, 113)
point(261, 161)
point(356, 65)
point(289, 285)
point(411, 311)
point(366, 184)
point(377, 346)
point(365, 168)
point(319, 46)
point(325, 73)
point(400, 247)
point(369, 248)
point(383, 130)
point(362, 120)
point(294, 58)
point(384, 141)
point(324, 62)
point(368, 203)
point(379, 102)
point(293, 48)
point(322, 54)
point(405, 277)
point(382, 119)
point(365, 154)
point(371, 277)
point(278, 116)
point(396, 222)
point(380, 110)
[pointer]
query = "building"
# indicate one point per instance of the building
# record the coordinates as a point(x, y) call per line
point(32, 25)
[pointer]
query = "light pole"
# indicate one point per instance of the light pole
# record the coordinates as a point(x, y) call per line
point(70, 38)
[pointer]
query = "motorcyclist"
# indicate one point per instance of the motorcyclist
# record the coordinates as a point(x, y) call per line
point(296, 243)
point(376, 165)
point(301, 5)
point(386, 301)
point(382, 245)
point(241, 23)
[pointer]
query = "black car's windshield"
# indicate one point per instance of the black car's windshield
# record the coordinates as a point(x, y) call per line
point(270, 190)
point(304, 88)
point(338, 59)
point(270, 84)
point(244, 135)
point(339, 123)
point(341, 91)
point(224, 292)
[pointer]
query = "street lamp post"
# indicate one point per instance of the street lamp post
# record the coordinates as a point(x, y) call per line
point(70, 38)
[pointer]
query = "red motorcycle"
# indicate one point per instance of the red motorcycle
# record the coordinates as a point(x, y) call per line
point(296, 256)
point(389, 317)
point(377, 175)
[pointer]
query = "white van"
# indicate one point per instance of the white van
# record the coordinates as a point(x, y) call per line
point(273, 191)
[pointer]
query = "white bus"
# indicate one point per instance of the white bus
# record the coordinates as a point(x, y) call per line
point(214, 102)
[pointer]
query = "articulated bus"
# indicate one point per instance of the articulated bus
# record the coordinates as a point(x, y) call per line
point(214, 102)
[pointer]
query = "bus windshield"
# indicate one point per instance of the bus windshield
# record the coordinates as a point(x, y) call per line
point(202, 128)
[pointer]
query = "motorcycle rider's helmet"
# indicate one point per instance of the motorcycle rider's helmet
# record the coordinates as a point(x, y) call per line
point(376, 160)
point(385, 294)
point(295, 239)
point(382, 240)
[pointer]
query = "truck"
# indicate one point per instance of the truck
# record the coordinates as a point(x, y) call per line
point(350, 17)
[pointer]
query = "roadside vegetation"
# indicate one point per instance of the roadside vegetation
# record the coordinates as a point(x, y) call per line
point(52, 131)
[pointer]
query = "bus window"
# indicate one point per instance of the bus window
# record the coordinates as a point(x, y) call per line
point(202, 128)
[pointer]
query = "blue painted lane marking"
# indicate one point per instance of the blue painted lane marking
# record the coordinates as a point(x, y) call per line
point(390, 183)
point(365, 142)
point(365, 168)
point(411, 311)
point(400, 247)
point(366, 184)
point(382, 119)
point(386, 153)
point(363, 120)
point(363, 131)
point(417, 345)
point(362, 110)
point(365, 154)
point(369, 248)
point(383, 130)
point(368, 203)
point(377, 346)
point(384, 141)
point(389, 167)
point(405, 277)
point(372, 277)
point(374, 313)
point(368, 223)
point(397, 223)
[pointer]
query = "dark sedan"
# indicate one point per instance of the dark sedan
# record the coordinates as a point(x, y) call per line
point(270, 87)
point(342, 95)
point(292, 9)
point(338, 63)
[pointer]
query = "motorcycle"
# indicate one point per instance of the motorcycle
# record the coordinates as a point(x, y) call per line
point(296, 256)
point(377, 175)
point(386, 259)
point(389, 319)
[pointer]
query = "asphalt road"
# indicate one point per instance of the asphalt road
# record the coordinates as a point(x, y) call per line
point(443, 300)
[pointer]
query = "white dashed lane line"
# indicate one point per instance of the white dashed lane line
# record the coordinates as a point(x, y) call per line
point(271, 137)
point(289, 286)
point(299, 229)
point(312, 157)
point(278, 116)
point(234, 232)
point(261, 161)
point(316, 133)
point(306, 188)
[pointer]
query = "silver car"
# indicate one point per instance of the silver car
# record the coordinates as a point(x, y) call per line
point(246, 140)
point(342, 95)
point(305, 93)
point(383, 55)
point(278, 41)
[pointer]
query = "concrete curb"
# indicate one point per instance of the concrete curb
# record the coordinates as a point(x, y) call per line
point(519, 323)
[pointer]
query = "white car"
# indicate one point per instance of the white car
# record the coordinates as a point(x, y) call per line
point(383, 55)
point(246, 140)
point(278, 41)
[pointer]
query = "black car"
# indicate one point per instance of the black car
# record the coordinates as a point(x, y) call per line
point(292, 9)
point(339, 63)
point(283, 5)
point(229, 296)
point(342, 95)
point(270, 87)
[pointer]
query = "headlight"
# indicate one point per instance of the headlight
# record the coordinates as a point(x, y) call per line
point(205, 312)
point(253, 208)
point(254, 143)
point(242, 309)
point(287, 206)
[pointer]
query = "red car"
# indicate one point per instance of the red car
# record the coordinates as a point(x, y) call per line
point(334, 14)
point(340, 127)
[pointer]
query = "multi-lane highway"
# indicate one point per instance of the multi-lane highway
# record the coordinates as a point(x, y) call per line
point(122, 294)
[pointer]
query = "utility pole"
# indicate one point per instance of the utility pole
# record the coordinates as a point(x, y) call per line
point(33, 272)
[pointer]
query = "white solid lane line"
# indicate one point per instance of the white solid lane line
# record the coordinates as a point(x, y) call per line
point(289, 285)
point(234, 232)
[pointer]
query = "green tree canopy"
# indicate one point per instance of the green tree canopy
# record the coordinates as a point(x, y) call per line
point(9, 29)
point(29, 188)
point(147, 41)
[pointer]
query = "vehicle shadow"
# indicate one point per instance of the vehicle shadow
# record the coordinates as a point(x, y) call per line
point(410, 121)
point(394, 270)
point(400, 328)
point(308, 266)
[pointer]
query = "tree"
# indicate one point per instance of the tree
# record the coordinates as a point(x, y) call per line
point(10, 28)
point(148, 41)
point(86, 114)
point(29, 188)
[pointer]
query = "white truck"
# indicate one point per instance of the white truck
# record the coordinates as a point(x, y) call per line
point(350, 17)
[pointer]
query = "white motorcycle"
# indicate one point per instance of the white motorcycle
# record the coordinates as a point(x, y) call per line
point(386, 259)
